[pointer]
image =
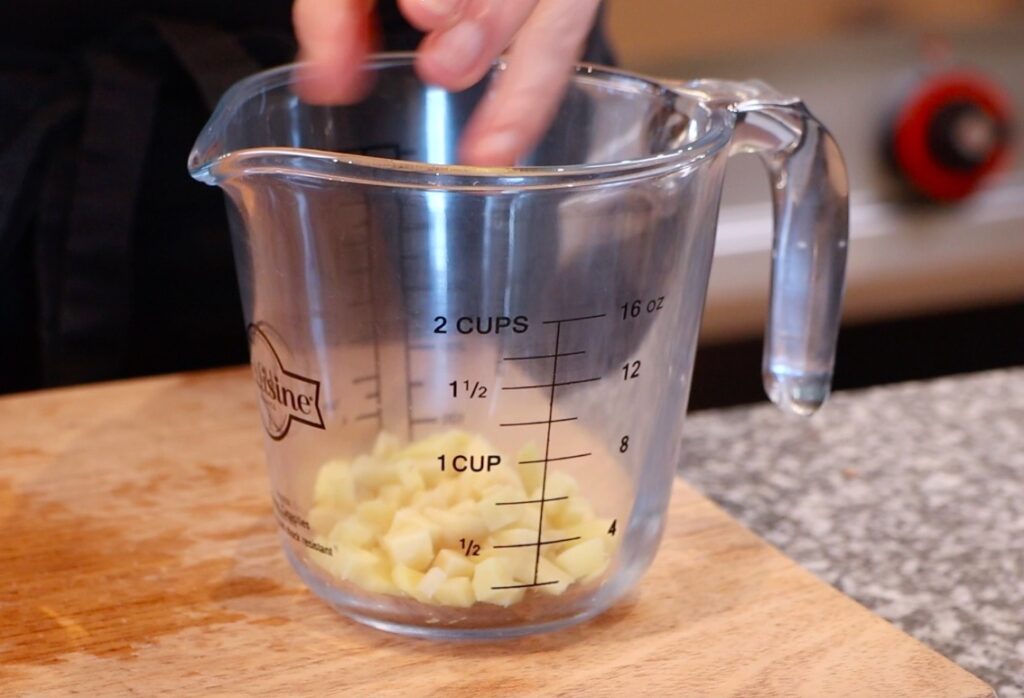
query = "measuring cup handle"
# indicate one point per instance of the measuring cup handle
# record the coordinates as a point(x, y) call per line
point(810, 196)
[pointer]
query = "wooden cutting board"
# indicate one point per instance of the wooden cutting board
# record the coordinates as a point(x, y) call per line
point(138, 556)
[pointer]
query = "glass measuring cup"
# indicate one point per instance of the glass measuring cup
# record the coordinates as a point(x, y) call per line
point(472, 380)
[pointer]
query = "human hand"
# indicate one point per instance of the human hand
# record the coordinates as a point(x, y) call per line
point(463, 37)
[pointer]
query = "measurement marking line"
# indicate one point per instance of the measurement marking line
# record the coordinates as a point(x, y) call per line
point(524, 586)
point(550, 460)
point(369, 415)
point(539, 421)
point(531, 501)
point(551, 385)
point(547, 451)
point(406, 296)
point(376, 334)
point(573, 319)
point(540, 542)
point(415, 384)
point(373, 395)
point(424, 420)
point(582, 380)
point(542, 356)
point(364, 379)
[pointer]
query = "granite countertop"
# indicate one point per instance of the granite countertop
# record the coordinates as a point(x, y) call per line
point(909, 498)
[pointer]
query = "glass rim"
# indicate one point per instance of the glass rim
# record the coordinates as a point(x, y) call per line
point(208, 166)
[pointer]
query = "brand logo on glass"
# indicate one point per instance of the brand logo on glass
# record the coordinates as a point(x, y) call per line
point(285, 396)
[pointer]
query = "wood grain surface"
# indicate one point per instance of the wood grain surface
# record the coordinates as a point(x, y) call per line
point(138, 556)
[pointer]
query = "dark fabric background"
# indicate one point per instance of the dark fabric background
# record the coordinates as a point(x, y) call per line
point(89, 297)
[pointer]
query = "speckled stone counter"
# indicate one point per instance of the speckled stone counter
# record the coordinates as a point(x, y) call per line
point(908, 498)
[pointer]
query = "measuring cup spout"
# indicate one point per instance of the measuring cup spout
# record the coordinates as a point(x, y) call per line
point(209, 147)
point(246, 134)
point(811, 216)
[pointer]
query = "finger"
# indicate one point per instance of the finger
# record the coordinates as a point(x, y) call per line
point(334, 38)
point(459, 55)
point(431, 15)
point(511, 119)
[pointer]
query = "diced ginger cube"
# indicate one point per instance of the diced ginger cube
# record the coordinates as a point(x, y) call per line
point(376, 580)
point(323, 518)
point(454, 564)
point(488, 579)
point(595, 529)
point(576, 511)
point(376, 514)
point(561, 483)
point(495, 512)
point(465, 506)
point(530, 473)
point(352, 530)
point(442, 495)
point(453, 527)
point(519, 536)
point(431, 582)
point(466, 488)
point(386, 446)
point(548, 572)
point(551, 548)
point(409, 519)
point(455, 591)
point(507, 476)
point(407, 580)
point(529, 515)
point(493, 485)
point(366, 569)
point(521, 559)
point(411, 481)
point(410, 547)
point(557, 492)
point(335, 486)
point(391, 494)
point(374, 474)
point(348, 558)
point(584, 559)
point(430, 470)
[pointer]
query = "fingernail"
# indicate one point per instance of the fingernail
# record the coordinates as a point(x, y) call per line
point(440, 8)
point(496, 149)
point(457, 49)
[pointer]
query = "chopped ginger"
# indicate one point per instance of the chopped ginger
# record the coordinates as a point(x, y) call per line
point(399, 524)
